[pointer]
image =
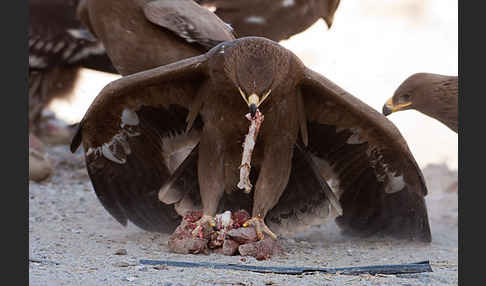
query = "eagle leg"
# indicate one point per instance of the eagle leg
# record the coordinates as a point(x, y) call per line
point(204, 220)
point(210, 176)
point(272, 179)
point(260, 227)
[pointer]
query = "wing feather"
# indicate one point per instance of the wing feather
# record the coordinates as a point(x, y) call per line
point(190, 21)
point(380, 185)
point(134, 137)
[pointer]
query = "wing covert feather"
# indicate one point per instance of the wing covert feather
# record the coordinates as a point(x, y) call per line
point(189, 21)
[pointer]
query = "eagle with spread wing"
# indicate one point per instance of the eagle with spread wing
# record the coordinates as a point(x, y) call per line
point(168, 140)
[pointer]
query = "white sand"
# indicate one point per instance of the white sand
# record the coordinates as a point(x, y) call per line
point(372, 47)
point(68, 225)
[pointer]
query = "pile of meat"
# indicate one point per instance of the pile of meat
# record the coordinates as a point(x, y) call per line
point(228, 237)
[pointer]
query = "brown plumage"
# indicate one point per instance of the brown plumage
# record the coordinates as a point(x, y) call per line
point(59, 45)
point(434, 95)
point(137, 147)
point(273, 19)
point(143, 34)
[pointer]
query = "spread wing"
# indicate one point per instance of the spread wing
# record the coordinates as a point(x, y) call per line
point(275, 20)
point(190, 21)
point(366, 161)
point(134, 139)
point(56, 36)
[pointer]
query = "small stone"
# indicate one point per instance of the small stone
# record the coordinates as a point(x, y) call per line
point(291, 240)
point(143, 269)
point(121, 264)
point(121, 251)
point(129, 279)
point(305, 244)
point(40, 168)
point(243, 259)
point(161, 267)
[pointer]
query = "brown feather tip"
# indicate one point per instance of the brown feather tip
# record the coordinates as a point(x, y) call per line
point(77, 138)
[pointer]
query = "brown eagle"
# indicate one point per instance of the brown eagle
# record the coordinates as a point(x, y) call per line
point(434, 95)
point(140, 35)
point(168, 140)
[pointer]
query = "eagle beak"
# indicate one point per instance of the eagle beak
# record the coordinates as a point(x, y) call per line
point(253, 110)
point(254, 101)
point(389, 107)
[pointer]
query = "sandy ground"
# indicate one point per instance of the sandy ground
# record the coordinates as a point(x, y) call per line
point(371, 48)
point(76, 240)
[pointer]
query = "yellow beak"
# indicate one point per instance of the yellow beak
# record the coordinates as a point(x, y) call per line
point(253, 98)
point(389, 108)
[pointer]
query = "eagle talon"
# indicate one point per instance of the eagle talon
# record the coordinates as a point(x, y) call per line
point(260, 228)
point(198, 231)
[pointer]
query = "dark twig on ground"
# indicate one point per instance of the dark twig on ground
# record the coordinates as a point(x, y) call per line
point(416, 267)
